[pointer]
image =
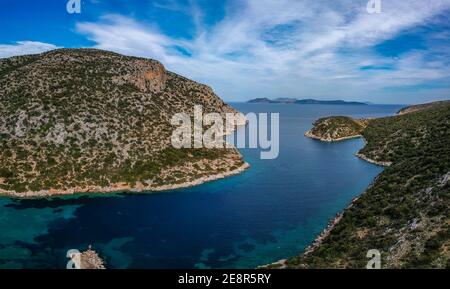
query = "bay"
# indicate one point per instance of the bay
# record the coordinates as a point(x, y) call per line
point(271, 211)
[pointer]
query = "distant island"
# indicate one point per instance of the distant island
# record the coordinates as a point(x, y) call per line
point(304, 101)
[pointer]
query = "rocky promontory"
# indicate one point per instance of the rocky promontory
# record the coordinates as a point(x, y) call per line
point(337, 128)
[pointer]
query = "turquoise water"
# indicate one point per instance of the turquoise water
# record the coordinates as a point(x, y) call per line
point(271, 211)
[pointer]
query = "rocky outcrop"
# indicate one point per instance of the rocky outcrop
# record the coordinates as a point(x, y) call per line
point(337, 128)
point(150, 76)
point(379, 163)
point(90, 259)
point(330, 138)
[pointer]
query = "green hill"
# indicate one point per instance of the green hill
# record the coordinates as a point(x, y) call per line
point(336, 128)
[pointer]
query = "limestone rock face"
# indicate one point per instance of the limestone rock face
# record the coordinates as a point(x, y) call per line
point(149, 76)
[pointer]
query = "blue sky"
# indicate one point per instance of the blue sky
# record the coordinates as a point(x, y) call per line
point(258, 48)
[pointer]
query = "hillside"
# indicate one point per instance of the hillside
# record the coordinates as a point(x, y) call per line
point(337, 128)
point(404, 214)
point(418, 107)
point(85, 120)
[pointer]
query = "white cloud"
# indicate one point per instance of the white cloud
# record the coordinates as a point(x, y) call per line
point(248, 54)
point(282, 48)
point(24, 47)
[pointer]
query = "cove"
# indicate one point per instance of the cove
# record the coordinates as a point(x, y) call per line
point(270, 212)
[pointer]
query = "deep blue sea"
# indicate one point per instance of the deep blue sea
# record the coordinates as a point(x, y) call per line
point(271, 211)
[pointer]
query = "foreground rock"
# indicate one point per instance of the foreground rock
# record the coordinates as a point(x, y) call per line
point(414, 108)
point(89, 259)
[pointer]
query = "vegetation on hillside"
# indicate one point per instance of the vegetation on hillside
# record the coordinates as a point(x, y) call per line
point(413, 108)
point(84, 117)
point(405, 212)
point(337, 128)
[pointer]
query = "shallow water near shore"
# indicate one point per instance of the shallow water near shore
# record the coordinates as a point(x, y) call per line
point(271, 211)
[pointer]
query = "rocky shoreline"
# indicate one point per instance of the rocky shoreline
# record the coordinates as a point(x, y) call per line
point(329, 139)
point(281, 264)
point(121, 187)
point(379, 163)
point(339, 216)
point(326, 232)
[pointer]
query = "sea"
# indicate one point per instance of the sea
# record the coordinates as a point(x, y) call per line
point(271, 211)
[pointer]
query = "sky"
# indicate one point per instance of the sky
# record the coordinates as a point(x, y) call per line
point(244, 49)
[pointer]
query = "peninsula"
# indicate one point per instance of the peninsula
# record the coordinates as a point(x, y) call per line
point(337, 128)
point(87, 120)
point(404, 213)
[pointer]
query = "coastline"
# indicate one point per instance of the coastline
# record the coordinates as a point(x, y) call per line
point(124, 188)
point(313, 136)
point(331, 224)
point(280, 264)
point(121, 187)
point(358, 154)
point(378, 163)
